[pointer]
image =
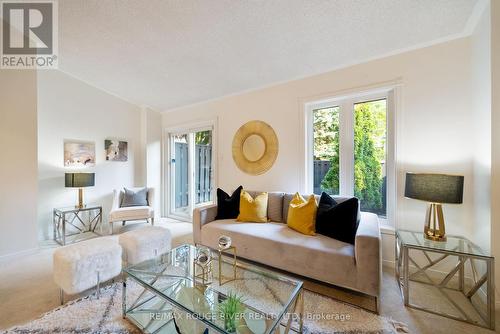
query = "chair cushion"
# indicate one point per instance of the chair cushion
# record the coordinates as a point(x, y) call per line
point(134, 197)
point(276, 245)
point(132, 213)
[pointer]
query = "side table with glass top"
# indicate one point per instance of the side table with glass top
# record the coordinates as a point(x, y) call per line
point(76, 223)
point(452, 278)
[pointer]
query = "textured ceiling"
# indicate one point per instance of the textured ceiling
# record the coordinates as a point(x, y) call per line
point(170, 53)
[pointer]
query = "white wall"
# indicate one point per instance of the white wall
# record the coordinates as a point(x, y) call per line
point(153, 135)
point(481, 85)
point(18, 167)
point(433, 123)
point(71, 109)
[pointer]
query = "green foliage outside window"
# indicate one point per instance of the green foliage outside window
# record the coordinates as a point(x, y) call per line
point(369, 151)
point(203, 137)
point(369, 154)
point(326, 145)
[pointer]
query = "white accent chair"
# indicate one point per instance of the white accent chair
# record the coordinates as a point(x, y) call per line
point(130, 213)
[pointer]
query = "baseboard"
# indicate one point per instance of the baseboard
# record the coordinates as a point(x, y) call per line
point(18, 254)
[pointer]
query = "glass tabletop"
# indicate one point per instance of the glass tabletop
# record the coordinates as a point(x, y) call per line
point(452, 244)
point(74, 208)
point(266, 295)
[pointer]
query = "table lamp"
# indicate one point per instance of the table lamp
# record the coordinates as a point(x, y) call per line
point(79, 180)
point(436, 189)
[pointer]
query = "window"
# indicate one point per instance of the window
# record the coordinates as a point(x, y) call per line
point(350, 149)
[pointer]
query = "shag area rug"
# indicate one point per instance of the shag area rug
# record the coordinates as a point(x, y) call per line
point(104, 315)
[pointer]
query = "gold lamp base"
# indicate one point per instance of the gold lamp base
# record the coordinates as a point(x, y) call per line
point(80, 204)
point(434, 223)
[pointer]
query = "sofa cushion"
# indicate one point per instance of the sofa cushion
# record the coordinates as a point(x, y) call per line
point(302, 214)
point(253, 209)
point(228, 206)
point(288, 197)
point(337, 220)
point(276, 245)
point(274, 205)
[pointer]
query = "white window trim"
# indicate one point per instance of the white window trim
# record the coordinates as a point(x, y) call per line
point(167, 199)
point(345, 102)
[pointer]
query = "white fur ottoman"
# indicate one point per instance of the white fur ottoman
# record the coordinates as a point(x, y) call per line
point(83, 265)
point(144, 243)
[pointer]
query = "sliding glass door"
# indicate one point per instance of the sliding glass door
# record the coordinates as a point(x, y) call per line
point(190, 172)
point(180, 171)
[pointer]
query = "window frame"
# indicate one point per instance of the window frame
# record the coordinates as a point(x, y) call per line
point(346, 103)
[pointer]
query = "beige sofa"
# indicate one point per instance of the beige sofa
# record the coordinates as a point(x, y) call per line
point(356, 267)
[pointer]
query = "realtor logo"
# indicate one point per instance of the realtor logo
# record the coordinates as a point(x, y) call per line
point(29, 34)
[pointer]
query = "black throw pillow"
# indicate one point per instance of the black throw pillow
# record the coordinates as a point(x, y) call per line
point(228, 207)
point(337, 220)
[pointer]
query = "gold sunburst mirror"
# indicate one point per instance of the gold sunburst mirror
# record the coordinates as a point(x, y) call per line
point(255, 147)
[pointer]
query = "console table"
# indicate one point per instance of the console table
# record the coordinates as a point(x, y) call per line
point(456, 271)
point(72, 221)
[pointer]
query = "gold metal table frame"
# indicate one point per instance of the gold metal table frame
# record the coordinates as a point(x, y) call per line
point(222, 253)
point(464, 255)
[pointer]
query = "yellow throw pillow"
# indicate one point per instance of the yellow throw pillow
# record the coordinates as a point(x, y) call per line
point(302, 214)
point(253, 209)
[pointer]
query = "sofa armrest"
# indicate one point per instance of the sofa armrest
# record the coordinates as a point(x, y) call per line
point(367, 251)
point(201, 216)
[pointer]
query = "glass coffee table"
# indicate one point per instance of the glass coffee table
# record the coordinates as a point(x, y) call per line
point(161, 296)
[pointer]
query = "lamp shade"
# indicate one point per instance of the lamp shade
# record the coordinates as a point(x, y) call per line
point(79, 180)
point(435, 188)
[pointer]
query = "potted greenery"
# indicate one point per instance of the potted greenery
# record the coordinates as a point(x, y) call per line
point(229, 310)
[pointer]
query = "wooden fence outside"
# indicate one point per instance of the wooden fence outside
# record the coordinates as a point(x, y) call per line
point(203, 169)
point(320, 169)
